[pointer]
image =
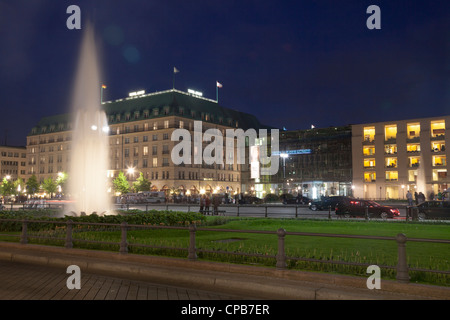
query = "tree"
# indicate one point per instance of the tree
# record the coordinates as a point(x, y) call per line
point(62, 180)
point(120, 184)
point(32, 185)
point(49, 185)
point(141, 183)
point(19, 186)
point(7, 187)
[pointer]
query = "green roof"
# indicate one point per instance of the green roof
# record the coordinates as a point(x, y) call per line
point(156, 105)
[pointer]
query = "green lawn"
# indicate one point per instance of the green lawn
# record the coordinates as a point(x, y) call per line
point(379, 252)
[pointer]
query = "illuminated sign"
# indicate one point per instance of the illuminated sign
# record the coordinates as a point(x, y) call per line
point(291, 152)
point(136, 93)
point(196, 93)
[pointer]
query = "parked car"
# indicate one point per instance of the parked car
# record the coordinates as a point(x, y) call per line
point(295, 200)
point(326, 202)
point(357, 208)
point(252, 200)
point(433, 209)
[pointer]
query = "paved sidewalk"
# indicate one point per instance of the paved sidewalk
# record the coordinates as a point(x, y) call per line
point(20, 281)
point(224, 279)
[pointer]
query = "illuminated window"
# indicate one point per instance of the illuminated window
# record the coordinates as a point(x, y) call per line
point(439, 161)
point(413, 147)
point(369, 151)
point(437, 146)
point(391, 175)
point(412, 175)
point(439, 174)
point(369, 163)
point(413, 130)
point(391, 162)
point(413, 162)
point(370, 176)
point(369, 134)
point(390, 149)
point(390, 132)
point(438, 128)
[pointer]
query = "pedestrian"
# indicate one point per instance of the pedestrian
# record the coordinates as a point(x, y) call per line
point(431, 196)
point(421, 197)
point(216, 202)
point(202, 203)
point(410, 198)
point(439, 195)
point(416, 197)
point(207, 204)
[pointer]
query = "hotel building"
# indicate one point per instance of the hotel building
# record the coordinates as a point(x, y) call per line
point(141, 127)
point(13, 162)
point(390, 158)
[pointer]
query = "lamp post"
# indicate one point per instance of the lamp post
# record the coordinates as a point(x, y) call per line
point(284, 156)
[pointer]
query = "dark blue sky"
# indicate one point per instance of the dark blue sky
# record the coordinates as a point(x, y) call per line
point(291, 63)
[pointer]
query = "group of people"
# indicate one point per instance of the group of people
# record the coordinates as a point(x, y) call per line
point(205, 203)
point(420, 197)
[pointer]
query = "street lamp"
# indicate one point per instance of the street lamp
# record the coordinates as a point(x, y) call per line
point(284, 156)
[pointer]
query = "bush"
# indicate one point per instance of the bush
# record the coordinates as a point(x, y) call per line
point(166, 218)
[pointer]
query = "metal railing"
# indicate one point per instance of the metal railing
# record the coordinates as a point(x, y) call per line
point(402, 269)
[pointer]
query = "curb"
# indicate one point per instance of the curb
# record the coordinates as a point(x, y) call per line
point(257, 282)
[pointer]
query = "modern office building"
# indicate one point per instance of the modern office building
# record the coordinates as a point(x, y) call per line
point(314, 162)
point(141, 128)
point(390, 158)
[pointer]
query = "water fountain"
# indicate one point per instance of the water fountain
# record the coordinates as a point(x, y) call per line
point(89, 150)
point(420, 183)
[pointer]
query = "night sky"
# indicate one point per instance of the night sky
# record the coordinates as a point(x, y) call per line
point(290, 63)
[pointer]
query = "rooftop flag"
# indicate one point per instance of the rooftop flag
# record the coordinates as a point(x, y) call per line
point(175, 70)
point(103, 86)
point(218, 85)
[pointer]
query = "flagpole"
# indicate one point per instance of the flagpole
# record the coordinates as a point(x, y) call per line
point(101, 93)
point(217, 93)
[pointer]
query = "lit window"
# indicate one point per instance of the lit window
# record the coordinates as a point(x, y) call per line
point(369, 134)
point(413, 130)
point(369, 151)
point(390, 132)
point(391, 175)
point(437, 128)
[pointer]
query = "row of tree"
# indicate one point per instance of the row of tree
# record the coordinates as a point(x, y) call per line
point(32, 186)
point(53, 186)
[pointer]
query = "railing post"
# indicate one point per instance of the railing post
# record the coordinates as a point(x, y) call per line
point(367, 213)
point(296, 211)
point(69, 240)
point(192, 250)
point(329, 212)
point(238, 209)
point(402, 266)
point(123, 242)
point(415, 214)
point(265, 214)
point(281, 255)
point(24, 236)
